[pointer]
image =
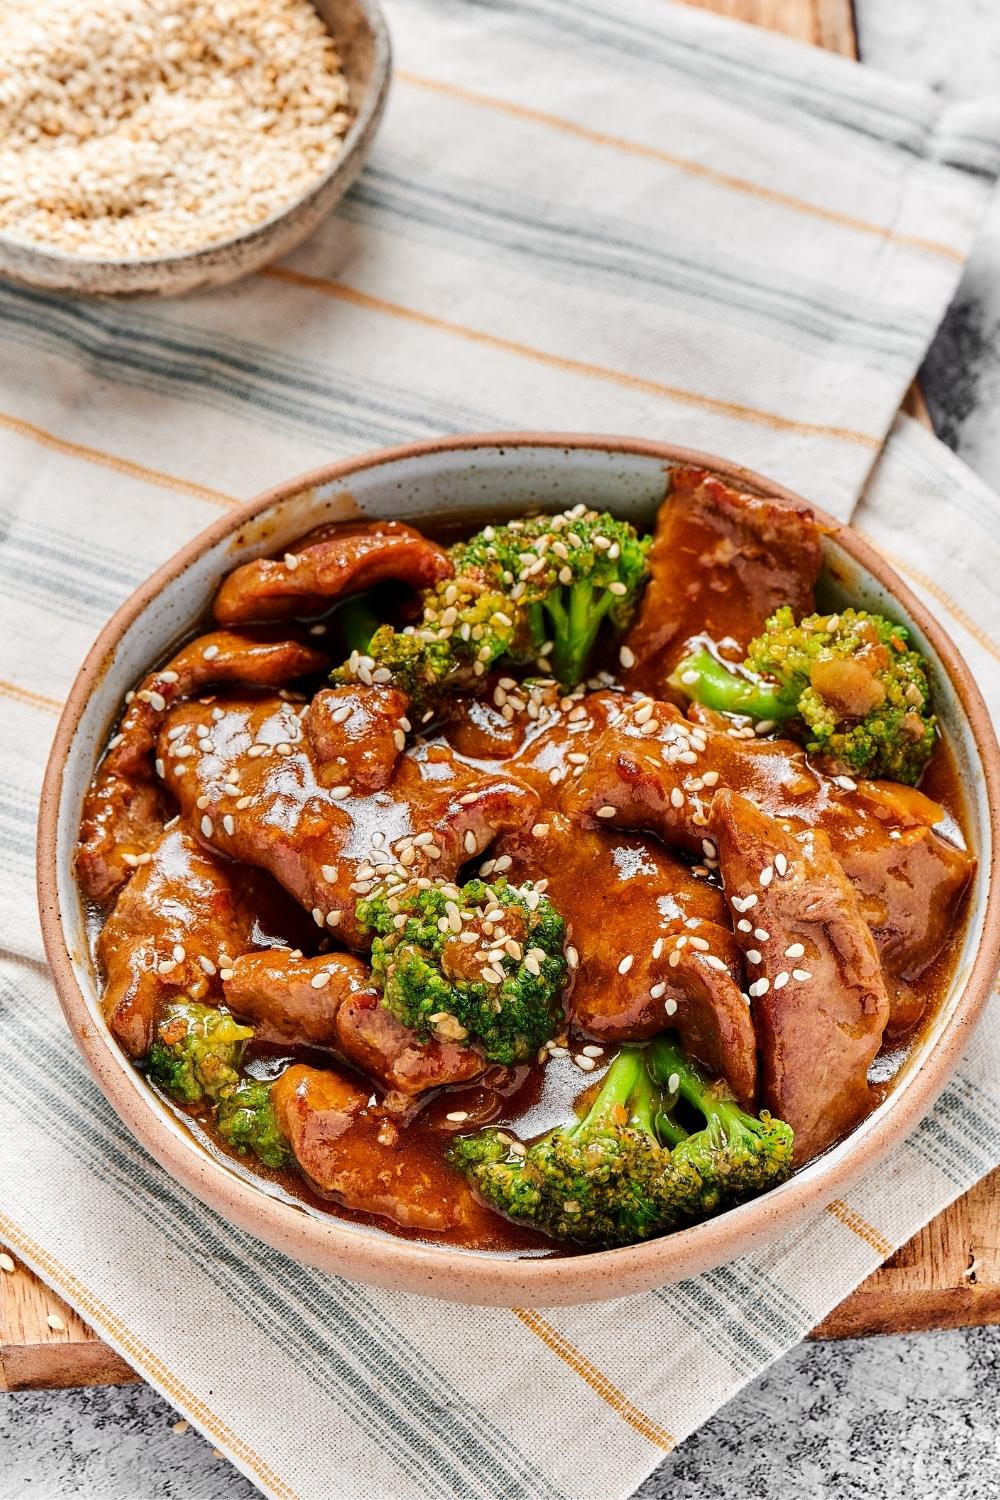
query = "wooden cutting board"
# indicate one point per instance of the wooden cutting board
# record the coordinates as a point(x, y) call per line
point(948, 1276)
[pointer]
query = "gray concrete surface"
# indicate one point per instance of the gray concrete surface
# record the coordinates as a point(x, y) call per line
point(873, 1419)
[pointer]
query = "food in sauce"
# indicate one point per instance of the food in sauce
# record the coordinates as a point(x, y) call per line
point(549, 889)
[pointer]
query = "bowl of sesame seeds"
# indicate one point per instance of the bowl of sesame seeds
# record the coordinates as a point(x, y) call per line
point(159, 146)
point(487, 480)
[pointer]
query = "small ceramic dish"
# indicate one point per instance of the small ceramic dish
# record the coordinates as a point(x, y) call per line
point(485, 478)
point(362, 40)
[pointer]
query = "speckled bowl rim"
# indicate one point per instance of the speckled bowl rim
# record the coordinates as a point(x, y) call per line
point(447, 1271)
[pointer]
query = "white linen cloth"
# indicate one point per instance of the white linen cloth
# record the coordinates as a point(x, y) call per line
point(631, 219)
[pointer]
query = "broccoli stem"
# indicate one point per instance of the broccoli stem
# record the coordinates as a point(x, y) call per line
point(710, 682)
point(679, 1077)
point(576, 614)
point(357, 623)
point(626, 1086)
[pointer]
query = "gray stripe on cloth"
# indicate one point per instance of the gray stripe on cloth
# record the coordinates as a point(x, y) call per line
point(485, 1465)
point(235, 376)
point(597, 253)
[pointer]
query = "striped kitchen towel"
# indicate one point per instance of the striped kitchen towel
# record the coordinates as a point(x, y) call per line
point(577, 215)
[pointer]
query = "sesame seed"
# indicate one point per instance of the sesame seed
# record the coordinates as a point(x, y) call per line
point(586, 1064)
point(676, 797)
point(670, 1006)
point(754, 956)
point(6, 1262)
point(657, 991)
point(592, 1051)
point(689, 678)
point(626, 963)
point(503, 863)
point(492, 975)
point(225, 975)
point(767, 875)
point(179, 953)
point(795, 950)
point(291, 561)
point(56, 1323)
point(627, 657)
point(674, 958)
point(781, 864)
point(607, 811)
point(710, 778)
point(321, 980)
point(338, 793)
point(333, 917)
point(780, 980)
point(572, 957)
point(847, 783)
point(456, 1116)
point(229, 824)
point(207, 826)
point(539, 830)
point(715, 963)
point(761, 933)
point(759, 987)
point(673, 1083)
point(317, 916)
point(658, 947)
point(744, 926)
point(210, 653)
point(470, 842)
point(618, 589)
point(801, 975)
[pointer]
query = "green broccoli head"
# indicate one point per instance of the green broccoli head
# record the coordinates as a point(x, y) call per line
point(736, 1154)
point(246, 1121)
point(850, 680)
point(196, 1052)
point(631, 1168)
point(604, 1180)
point(537, 589)
point(478, 963)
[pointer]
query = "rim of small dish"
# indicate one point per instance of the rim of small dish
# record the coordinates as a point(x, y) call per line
point(29, 256)
point(445, 1270)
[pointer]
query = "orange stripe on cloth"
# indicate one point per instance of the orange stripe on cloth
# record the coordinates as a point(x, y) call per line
point(112, 461)
point(966, 621)
point(32, 699)
point(680, 163)
point(340, 292)
point(598, 1382)
point(850, 1217)
point(86, 1303)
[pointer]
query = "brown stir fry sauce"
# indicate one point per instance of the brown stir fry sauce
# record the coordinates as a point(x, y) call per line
point(794, 925)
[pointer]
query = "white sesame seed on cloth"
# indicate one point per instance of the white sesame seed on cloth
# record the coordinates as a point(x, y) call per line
point(140, 128)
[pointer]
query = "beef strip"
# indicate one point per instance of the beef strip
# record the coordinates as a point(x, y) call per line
point(357, 734)
point(181, 918)
point(819, 1000)
point(341, 1146)
point(653, 769)
point(124, 809)
point(721, 562)
point(329, 1001)
point(626, 900)
point(245, 773)
point(327, 564)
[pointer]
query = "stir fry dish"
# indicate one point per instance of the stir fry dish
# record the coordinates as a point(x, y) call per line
point(538, 889)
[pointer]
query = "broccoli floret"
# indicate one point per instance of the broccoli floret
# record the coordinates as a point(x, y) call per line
point(630, 1168)
point(537, 589)
point(858, 691)
point(196, 1052)
point(246, 1121)
point(604, 1180)
point(737, 1155)
point(500, 988)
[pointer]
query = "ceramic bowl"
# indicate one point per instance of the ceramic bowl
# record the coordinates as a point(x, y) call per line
point(486, 478)
point(359, 30)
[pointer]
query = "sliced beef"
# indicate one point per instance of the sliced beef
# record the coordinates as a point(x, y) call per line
point(721, 562)
point(329, 1001)
point(124, 809)
point(327, 564)
point(820, 1004)
point(342, 1145)
point(357, 735)
point(654, 943)
point(246, 775)
point(184, 916)
point(653, 769)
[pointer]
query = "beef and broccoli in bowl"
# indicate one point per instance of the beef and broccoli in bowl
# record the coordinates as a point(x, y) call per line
point(536, 887)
